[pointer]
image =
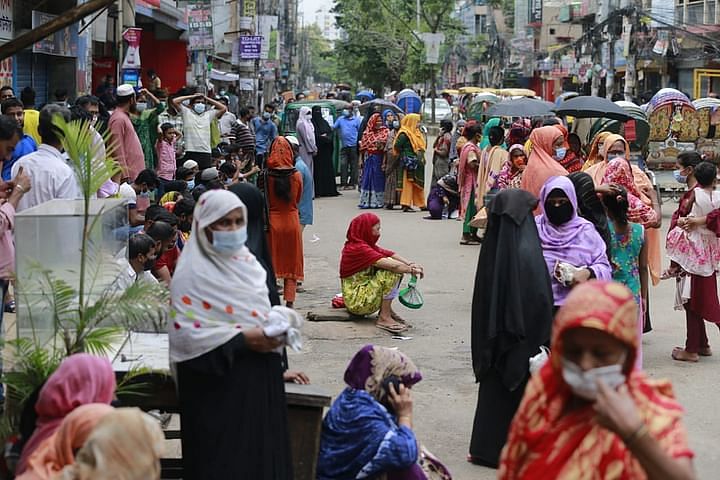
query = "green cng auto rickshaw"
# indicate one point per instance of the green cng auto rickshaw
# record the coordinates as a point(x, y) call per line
point(331, 110)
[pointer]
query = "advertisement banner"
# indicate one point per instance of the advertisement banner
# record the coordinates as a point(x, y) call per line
point(6, 19)
point(432, 46)
point(132, 52)
point(265, 25)
point(62, 43)
point(249, 8)
point(250, 47)
point(6, 71)
point(200, 26)
point(535, 13)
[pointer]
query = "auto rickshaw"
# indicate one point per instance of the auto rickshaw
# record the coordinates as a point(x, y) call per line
point(331, 110)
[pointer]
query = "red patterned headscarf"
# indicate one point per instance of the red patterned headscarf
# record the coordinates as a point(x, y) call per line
point(547, 440)
point(375, 133)
point(618, 171)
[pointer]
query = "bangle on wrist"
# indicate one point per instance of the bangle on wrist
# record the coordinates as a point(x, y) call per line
point(639, 433)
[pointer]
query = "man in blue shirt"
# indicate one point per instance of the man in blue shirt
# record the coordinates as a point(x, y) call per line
point(265, 133)
point(349, 126)
point(14, 108)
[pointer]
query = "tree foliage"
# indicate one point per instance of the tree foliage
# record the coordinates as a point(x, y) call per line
point(380, 46)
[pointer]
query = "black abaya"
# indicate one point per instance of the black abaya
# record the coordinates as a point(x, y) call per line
point(323, 167)
point(234, 415)
point(511, 318)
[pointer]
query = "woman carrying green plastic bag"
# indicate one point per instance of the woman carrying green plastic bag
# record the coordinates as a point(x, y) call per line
point(370, 275)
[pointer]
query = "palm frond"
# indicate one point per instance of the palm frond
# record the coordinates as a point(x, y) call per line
point(129, 385)
point(99, 341)
point(83, 145)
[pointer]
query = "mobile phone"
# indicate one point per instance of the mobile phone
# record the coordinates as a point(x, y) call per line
point(393, 380)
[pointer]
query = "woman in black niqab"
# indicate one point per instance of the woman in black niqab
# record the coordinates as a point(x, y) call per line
point(324, 169)
point(512, 312)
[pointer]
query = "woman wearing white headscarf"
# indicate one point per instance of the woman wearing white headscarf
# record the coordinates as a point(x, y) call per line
point(305, 132)
point(224, 344)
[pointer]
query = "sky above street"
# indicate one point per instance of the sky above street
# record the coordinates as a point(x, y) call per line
point(309, 7)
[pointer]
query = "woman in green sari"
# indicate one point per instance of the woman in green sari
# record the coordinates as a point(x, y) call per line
point(410, 148)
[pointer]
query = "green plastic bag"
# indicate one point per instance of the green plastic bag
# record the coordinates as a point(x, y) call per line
point(410, 296)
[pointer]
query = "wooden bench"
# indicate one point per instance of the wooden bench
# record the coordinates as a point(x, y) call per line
point(148, 350)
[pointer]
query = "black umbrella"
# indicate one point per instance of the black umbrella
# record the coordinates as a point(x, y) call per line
point(520, 107)
point(592, 107)
point(383, 104)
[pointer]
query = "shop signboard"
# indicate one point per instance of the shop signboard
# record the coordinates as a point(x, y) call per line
point(250, 47)
point(63, 43)
point(6, 19)
point(200, 26)
point(535, 14)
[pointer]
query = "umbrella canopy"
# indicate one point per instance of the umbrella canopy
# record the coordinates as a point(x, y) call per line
point(591, 107)
point(365, 96)
point(383, 104)
point(520, 107)
point(409, 101)
point(565, 96)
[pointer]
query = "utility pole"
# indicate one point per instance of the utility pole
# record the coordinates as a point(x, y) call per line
point(633, 23)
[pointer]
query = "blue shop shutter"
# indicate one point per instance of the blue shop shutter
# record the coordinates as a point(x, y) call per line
point(31, 69)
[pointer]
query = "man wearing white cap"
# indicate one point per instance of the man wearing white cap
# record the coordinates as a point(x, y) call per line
point(192, 165)
point(128, 150)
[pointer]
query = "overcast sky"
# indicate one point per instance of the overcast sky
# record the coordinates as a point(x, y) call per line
point(309, 7)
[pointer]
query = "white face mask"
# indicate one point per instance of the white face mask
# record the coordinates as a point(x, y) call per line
point(582, 383)
point(229, 242)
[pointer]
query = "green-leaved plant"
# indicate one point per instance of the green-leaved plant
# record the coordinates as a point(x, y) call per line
point(81, 321)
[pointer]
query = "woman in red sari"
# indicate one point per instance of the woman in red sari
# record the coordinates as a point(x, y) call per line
point(587, 414)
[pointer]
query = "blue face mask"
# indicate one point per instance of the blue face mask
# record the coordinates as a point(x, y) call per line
point(191, 184)
point(229, 242)
point(679, 177)
point(560, 153)
point(266, 116)
point(199, 108)
point(346, 113)
point(396, 124)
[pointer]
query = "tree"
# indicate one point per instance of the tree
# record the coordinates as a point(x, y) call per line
point(380, 46)
point(317, 57)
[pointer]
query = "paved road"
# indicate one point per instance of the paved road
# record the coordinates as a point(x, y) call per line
point(445, 399)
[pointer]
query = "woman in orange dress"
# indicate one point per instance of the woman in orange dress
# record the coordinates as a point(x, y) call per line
point(588, 413)
point(283, 189)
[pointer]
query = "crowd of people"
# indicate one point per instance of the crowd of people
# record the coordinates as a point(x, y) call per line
point(216, 196)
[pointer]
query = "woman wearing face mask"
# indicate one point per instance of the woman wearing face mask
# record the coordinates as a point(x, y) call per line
point(391, 161)
point(574, 251)
point(589, 205)
point(305, 133)
point(587, 413)
point(224, 339)
point(283, 188)
point(547, 144)
point(511, 174)
point(701, 302)
point(597, 151)
point(512, 312)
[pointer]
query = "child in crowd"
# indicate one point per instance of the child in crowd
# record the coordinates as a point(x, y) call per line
point(698, 251)
point(165, 149)
point(628, 253)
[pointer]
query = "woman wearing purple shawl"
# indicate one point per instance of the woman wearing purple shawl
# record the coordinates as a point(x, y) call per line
point(305, 132)
point(573, 249)
point(367, 433)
